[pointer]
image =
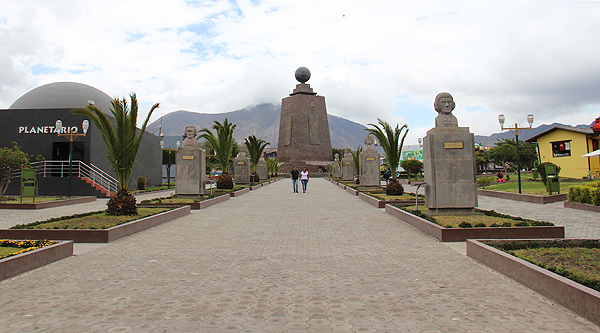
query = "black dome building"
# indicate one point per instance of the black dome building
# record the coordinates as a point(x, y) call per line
point(30, 121)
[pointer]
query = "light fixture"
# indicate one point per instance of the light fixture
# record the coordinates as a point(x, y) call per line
point(501, 120)
point(178, 144)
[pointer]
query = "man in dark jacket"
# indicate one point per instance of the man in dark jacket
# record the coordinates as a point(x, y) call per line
point(294, 174)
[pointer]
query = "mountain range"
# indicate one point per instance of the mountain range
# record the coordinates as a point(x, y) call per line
point(263, 121)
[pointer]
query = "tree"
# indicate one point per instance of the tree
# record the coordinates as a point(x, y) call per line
point(413, 167)
point(356, 157)
point(222, 145)
point(168, 160)
point(390, 142)
point(255, 148)
point(481, 159)
point(122, 144)
point(503, 153)
point(11, 160)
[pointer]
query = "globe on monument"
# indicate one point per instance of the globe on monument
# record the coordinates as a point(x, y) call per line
point(302, 74)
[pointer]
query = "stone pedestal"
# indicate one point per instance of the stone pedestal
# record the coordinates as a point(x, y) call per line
point(369, 168)
point(449, 164)
point(241, 169)
point(348, 167)
point(335, 170)
point(191, 171)
point(261, 169)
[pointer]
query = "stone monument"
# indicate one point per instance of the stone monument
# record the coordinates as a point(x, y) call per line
point(369, 164)
point(335, 168)
point(241, 168)
point(304, 139)
point(261, 168)
point(190, 163)
point(347, 165)
point(449, 163)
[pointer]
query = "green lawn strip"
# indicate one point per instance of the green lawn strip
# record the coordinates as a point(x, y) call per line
point(578, 261)
point(92, 220)
point(485, 218)
point(13, 200)
point(10, 247)
point(531, 187)
point(384, 197)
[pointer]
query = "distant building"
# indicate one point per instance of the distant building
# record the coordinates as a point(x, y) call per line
point(564, 145)
point(30, 121)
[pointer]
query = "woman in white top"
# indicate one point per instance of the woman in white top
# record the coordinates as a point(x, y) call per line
point(304, 179)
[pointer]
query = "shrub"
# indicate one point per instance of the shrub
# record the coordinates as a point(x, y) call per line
point(465, 225)
point(485, 181)
point(480, 225)
point(587, 194)
point(141, 183)
point(506, 224)
point(494, 225)
point(522, 224)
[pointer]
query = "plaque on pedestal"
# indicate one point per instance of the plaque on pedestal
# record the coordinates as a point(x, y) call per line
point(241, 169)
point(369, 164)
point(191, 171)
point(347, 166)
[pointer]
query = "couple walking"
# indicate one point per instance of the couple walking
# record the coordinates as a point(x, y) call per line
point(303, 175)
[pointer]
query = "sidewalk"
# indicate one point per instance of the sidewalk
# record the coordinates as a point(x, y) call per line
point(275, 261)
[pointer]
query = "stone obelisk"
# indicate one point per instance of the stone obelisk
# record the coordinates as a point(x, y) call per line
point(304, 130)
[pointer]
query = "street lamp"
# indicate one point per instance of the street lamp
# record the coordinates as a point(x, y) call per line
point(59, 128)
point(501, 120)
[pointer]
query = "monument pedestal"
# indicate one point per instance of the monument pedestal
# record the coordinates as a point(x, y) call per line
point(261, 169)
point(347, 168)
point(369, 168)
point(241, 169)
point(450, 173)
point(191, 172)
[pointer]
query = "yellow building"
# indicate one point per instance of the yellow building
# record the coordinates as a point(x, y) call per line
point(564, 145)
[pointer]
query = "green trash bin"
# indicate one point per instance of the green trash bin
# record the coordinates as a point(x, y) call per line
point(552, 183)
point(535, 175)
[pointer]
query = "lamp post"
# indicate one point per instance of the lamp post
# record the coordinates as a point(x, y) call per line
point(501, 120)
point(59, 127)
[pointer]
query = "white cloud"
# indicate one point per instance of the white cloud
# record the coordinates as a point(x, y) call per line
point(215, 56)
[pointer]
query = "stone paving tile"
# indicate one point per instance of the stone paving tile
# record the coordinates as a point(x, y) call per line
point(274, 261)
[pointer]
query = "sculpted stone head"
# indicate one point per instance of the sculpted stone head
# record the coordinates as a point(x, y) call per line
point(444, 103)
point(190, 136)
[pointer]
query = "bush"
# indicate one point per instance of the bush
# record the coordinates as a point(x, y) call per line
point(485, 181)
point(465, 225)
point(141, 183)
point(587, 194)
point(480, 225)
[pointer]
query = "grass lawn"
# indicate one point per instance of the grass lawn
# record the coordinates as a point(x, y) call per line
point(215, 193)
point(579, 262)
point(93, 220)
point(384, 197)
point(485, 218)
point(6, 251)
point(29, 199)
point(531, 187)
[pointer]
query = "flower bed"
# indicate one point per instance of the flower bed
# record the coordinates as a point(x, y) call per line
point(462, 234)
point(173, 201)
point(574, 296)
point(40, 254)
point(376, 202)
point(96, 235)
point(46, 204)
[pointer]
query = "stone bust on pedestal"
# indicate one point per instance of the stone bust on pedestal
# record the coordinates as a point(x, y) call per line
point(190, 162)
point(190, 136)
point(444, 104)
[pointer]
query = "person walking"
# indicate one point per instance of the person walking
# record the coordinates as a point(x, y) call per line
point(304, 179)
point(294, 175)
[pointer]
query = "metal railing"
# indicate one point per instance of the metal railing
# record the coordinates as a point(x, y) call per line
point(79, 169)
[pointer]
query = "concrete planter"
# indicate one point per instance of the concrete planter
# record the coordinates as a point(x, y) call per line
point(97, 235)
point(538, 199)
point(582, 206)
point(342, 186)
point(351, 190)
point(381, 203)
point(255, 187)
point(239, 192)
point(578, 298)
point(462, 234)
point(48, 204)
point(192, 205)
point(21, 263)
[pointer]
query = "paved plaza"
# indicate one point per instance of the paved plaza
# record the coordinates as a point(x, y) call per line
point(275, 261)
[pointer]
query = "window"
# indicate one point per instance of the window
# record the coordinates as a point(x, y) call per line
point(561, 148)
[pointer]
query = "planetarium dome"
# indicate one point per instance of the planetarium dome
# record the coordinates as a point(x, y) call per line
point(63, 95)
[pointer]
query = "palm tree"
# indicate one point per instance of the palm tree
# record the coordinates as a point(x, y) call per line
point(122, 145)
point(255, 148)
point(222, 144)
point(356, 158)
point(391, 144)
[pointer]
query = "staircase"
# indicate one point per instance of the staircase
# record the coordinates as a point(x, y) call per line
point(96, 178)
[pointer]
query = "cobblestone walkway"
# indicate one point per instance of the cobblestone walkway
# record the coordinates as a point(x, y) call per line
point(274, 261)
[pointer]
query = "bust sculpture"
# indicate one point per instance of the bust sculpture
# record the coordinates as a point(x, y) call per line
point(190, 136)
point(337, 156)
point(444, 104)
point(369, 143)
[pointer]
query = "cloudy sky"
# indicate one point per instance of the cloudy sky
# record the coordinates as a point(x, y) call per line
point(370, 59)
